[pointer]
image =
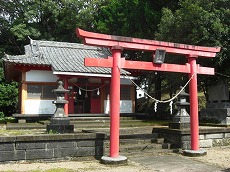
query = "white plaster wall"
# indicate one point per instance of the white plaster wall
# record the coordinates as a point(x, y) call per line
point(39, 107)
point(40, 76)
point(125, 106)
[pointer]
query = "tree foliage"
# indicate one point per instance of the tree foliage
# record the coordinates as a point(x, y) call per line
point(8, 96)
point(48, 19)
point(134, 18)
point(199, 22)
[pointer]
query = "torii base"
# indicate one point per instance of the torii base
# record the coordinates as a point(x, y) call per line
point(114, 161)
point(194, 153)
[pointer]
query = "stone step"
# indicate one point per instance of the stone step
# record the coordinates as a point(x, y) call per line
point(136, 115)
point(141, 144)
point(96, 121)
point(105, 121)
point(139, 136)
point(158, 140)
point(105, 125)
point(97, 118)
point(18, 126)
point(123, 130)
point(147, 152)
point(102, 124)
point(135, 141)
point(140, 149)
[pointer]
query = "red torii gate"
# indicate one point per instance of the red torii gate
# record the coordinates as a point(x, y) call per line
point(117, 44)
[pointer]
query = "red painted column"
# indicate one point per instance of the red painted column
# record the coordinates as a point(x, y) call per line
point(115, 102)
point(194, 121)
point(66, 107)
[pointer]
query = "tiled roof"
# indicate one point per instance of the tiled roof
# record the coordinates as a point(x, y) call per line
point(61, 56)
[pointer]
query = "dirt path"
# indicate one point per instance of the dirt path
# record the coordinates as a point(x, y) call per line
point(83, 166)
point(219, 156)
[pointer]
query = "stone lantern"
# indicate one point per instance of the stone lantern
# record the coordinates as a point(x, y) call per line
point(60, 123)
point(182, 119)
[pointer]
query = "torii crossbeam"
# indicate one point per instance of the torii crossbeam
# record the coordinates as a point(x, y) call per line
point(117, 44)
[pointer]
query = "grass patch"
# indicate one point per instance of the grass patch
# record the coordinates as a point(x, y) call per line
point(7, 120)
point(157, 122)
point(4, 132)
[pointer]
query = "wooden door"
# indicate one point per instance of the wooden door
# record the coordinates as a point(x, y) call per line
point(95, 102)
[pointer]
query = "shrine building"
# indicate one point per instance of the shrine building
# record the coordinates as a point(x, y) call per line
point(44, 62)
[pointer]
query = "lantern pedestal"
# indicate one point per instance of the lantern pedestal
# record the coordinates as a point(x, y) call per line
point(60, 125)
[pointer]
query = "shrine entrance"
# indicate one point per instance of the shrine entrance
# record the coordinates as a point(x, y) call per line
point(116, 63)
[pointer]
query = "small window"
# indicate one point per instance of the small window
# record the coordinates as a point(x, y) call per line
point(48, 92)
point(34, 91)
point(40, 91)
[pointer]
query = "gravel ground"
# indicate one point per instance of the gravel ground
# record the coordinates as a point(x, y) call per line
point(218, 156)
point(82, 166)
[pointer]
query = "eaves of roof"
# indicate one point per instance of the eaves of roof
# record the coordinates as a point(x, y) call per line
point(61, 56)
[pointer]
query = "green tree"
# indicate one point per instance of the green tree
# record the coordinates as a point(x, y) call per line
point(134, 18)
point(8, 96)
point(199, 22)
point(48, 19)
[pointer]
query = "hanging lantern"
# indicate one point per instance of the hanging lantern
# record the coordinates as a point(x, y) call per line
point(159, 56)
point(98, 92)
point(79, 91)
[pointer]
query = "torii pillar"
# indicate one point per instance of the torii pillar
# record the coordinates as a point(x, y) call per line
point(115, 99)
point(116, 44)
point(194, 121)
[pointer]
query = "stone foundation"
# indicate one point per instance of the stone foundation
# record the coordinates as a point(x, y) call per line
point(51, 147)
point(209, 137)
point(220, 115)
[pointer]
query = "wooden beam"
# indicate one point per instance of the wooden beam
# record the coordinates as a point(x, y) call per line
point(140, 65)
point(103, 40)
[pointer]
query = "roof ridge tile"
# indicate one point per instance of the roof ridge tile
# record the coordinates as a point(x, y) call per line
point(63, 45)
